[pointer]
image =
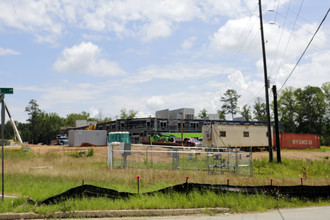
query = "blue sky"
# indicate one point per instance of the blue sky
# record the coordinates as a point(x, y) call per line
point(102, 56)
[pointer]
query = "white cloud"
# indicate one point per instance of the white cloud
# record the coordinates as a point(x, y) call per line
point(144, 115)
point(155, 102)
point(188, 43)
point(94, 112)
point(316, 65)
point(86, 58)
point(177, 72)
point(5, 52)
point(35, 17)
point(49, 20)
point(235, 34)
point(156, 29)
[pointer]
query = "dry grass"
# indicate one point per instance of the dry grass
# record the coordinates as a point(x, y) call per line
point(94, 169)
point(47, 171)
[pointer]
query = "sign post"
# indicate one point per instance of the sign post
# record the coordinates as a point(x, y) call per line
point(3, 91)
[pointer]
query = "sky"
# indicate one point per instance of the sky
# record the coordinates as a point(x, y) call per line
point(102, 56)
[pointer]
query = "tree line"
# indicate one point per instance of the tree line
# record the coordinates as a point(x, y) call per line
point(304, 110)
point(42, 127)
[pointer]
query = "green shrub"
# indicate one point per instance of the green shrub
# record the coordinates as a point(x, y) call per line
point(90, 152)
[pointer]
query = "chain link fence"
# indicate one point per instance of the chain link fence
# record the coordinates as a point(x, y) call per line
point(211, 160)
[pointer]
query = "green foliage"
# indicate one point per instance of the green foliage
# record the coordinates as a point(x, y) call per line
point(326, 91)
point(286, 109)
point(19, 154)
point(306, 111)
point(289, 168)
point(42, 126)
point(246, 113)
point(34, 121)
point(106, 119)
point(311, 109)
point(41, 185)
point(237, 202)
point(90, 152)
point(229, 99)
point(260, 111)
point(222, 114)
point(8, 132)
point(78, 154)
point(202, 113)
point(73, 117)
point(128, 115)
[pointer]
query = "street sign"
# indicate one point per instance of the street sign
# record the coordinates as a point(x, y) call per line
point(6, 90)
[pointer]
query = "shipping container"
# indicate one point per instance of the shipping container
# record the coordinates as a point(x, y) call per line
point(298, 141)
point(93, 137)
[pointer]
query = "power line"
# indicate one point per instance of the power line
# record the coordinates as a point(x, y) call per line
point(287, 44)
point(305, 50)
point(301, 18)
point(280, 39)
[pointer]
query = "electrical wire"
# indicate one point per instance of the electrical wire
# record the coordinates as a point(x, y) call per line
point(302, 18)
point(280, 39)
point(304, 50)
point(248, 29)
point(287, 44)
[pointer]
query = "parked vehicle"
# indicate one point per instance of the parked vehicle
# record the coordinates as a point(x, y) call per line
point(193, 141)
point(62, 139)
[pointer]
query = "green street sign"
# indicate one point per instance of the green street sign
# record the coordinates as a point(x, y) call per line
point(6, 90)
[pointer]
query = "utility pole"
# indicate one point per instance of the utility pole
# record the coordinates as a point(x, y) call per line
point(278, 144)
point(266, 85)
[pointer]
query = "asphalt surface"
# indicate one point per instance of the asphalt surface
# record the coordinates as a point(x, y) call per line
point(313, 213)
point(309, 213)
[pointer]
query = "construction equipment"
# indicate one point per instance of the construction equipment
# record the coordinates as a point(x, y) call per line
point(161, 137)
point(91, 127)
point(14, 125)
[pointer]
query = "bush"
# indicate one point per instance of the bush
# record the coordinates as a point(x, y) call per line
point(90, 152)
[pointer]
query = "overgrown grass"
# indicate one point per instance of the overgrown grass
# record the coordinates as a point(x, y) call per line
point(291, 168)
point(68, 172)
point(321, 149)
point(237, 202)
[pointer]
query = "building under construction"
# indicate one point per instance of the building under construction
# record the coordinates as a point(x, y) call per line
point(165, 121)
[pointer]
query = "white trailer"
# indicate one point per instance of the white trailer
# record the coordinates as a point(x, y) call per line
point(230, 136)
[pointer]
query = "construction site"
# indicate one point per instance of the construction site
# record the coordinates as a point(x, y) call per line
point(174, 139)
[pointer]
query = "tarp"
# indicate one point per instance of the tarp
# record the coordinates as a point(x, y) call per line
point(300, 191)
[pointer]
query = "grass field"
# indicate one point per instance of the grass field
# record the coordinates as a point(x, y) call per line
point(40, 174)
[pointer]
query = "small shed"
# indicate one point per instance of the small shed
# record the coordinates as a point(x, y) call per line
point(93, 137)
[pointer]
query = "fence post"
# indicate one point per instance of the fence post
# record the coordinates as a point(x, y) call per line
point(147, 156)
point(182, 161)
point(124, 161)
point(110, 156)
point(251, 168)
point(151, 162)
point(236, 162)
